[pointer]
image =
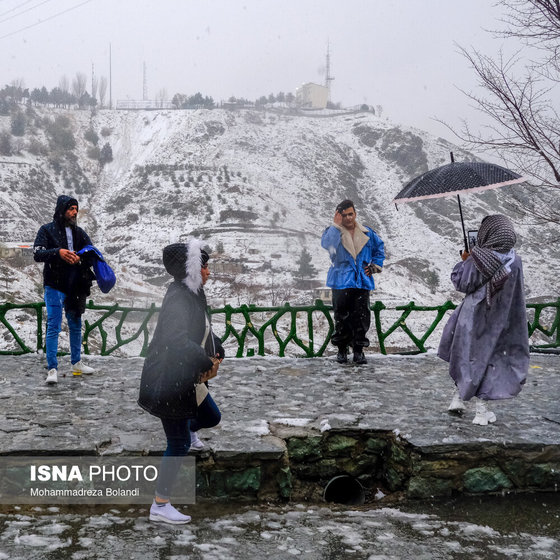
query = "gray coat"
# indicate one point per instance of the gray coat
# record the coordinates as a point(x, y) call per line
point(487, 347)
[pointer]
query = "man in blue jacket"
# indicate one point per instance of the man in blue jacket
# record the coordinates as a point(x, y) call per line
point(356, 254)
point(66, 280)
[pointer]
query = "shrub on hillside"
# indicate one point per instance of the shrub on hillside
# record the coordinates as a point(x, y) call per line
point(63, 121)
point(106, 154)
point(83, 187)
point(93, 152)
point(6, 106)
point(37, 148)
point(17, 124)
point(91, 136)
point(5, 143)
point(60, 134)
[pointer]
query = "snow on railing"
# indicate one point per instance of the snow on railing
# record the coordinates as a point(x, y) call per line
point(249, 330)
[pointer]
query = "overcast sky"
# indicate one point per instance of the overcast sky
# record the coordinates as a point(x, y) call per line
point(399, 54)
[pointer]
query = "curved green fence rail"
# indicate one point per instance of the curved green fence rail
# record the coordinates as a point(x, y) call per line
point(259, 330)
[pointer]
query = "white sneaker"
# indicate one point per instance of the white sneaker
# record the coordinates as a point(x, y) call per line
point(168, 514)
point(196, 443)
point(79, 367)
point(483, 416)
point(457, 405)
point(52, 377)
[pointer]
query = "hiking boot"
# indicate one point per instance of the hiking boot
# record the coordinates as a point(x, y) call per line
point(359, 358)
point(483, 416)
point(457, 405)
point(52, 377)
point(79, 367)
point(166, 513)
point(196, 443)
point(342, 356)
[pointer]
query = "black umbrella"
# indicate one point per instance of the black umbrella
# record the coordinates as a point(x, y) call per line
point(456, 178)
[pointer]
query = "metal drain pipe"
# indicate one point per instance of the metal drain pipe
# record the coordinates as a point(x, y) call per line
point(344, 489)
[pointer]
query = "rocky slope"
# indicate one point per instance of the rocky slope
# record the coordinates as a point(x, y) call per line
point(259, 187)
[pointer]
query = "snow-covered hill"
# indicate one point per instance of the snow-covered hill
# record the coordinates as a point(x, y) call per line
point(258, 187)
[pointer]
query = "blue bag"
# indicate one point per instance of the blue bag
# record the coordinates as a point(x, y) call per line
point(104, 275)
point(103, 272)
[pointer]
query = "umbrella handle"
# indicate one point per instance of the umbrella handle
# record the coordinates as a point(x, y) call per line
point(463, 224)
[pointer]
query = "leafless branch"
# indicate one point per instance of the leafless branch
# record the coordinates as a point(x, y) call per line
point(520, 98)
point(524, 125)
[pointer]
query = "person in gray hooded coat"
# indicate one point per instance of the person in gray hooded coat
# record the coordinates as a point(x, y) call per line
point(486, 340)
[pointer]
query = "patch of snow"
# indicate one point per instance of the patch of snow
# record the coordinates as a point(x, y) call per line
point(259, 427)
point(472, 529)
point(292, 421)
point(379, 495)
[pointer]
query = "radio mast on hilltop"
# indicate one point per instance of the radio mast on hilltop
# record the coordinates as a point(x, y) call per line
point(328, 77)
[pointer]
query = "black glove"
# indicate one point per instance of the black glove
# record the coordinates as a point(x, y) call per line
point(372, 268)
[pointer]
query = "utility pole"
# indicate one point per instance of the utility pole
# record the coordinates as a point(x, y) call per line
point(328, 77)
point(110, 80)
point(145, 89)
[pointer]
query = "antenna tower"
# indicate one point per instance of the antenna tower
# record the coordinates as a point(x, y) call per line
point(328, 77)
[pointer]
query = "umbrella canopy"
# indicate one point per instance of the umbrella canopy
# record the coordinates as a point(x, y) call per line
point(457, 178)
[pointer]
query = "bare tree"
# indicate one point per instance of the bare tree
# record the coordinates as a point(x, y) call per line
point(537, 23)
point(94, 86)
point(102, 90)
point(161, 97)
point(521, 99)
point(79, 84)
point(17, 86)
point(18, 83)
point(63, 84)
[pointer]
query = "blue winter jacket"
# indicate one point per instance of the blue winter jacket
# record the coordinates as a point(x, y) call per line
point(345, 272)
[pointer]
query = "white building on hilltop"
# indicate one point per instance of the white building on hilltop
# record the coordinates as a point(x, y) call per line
point(312, 96)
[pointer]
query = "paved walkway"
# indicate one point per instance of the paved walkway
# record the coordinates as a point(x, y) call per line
point(265, 401)
point(265, 397)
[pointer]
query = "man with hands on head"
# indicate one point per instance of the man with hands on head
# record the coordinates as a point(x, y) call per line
point(356, 253)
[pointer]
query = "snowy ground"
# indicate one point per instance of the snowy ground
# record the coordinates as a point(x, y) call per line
point(500, 528)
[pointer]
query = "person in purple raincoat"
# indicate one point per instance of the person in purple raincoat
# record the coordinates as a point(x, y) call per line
point(486, 340)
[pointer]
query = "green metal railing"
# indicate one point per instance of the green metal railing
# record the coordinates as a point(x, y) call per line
point(256, 330)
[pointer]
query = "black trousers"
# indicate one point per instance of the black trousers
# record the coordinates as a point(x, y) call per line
point(352, 318)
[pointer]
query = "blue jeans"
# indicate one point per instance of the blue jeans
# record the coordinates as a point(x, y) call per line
point(178, 433)
point(54, 301)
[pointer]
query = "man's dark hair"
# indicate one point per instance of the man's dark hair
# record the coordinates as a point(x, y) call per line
point(344, 205)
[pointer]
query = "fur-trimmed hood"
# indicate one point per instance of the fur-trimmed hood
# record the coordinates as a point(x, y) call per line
point(184, 261)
